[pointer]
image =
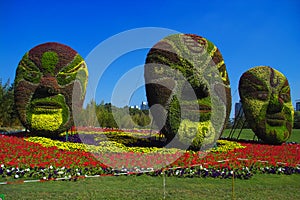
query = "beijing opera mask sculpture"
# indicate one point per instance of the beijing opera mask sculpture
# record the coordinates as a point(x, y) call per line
point(185, 74)
point(50, 86)
point(266, 100)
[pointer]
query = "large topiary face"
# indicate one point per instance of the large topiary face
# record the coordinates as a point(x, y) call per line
point(186, 75)
point(265, 95)
point(50, 84)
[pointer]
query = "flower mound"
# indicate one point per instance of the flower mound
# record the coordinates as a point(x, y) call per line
point(23, 159)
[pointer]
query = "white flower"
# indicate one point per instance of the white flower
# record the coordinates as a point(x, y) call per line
point(60, 172)
point(27, 170)
point(44, 178)
point(78, 174)
point(16, 176)
point(2, 166)
point(69, 176)
point(51, 167)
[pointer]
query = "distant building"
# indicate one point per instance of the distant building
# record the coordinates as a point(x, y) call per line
point(135, 107)
point(298, 105)
point(144, 106)
point(238, 109)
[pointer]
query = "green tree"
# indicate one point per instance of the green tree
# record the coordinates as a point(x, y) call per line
point(297, 120)
point(8, 114)
point(105, 116)
point(87, 116)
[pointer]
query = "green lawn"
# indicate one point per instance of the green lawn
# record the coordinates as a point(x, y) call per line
point(145, 187)
point(247, 134)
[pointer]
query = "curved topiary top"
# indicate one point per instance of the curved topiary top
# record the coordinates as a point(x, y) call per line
point(49, 86)
point(265, 95)
point(186, 74)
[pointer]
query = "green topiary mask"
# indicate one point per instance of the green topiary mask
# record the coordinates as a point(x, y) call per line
point(186, 75)
point(265, 95)
point(50, 85)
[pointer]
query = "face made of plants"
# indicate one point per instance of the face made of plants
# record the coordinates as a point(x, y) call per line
point(265, 95)
point(180, 71)
point(50, 84)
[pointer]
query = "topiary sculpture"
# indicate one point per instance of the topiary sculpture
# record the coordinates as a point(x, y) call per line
point(266, 100)
point(50, 86)
point(186, 76)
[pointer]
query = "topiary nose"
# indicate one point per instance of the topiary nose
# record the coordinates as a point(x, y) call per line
point(48, 87)
point(275, 105)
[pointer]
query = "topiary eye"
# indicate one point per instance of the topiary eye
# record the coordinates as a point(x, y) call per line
point(285, 97)
point(28, 70)
point(32, 76)
point(65, 78)
point(69, 73)
point(262, 95)
point(285, 94)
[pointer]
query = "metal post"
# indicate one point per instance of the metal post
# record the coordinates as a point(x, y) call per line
point(66, 136)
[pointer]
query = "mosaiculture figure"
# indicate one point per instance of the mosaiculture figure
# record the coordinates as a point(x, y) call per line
point(50, 87)
point(186, 76)
point(266, 100)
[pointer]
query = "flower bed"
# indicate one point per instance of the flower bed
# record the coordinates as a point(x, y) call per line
point(26, 159)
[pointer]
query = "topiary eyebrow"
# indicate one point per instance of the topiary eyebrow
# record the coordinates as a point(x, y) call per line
point(285, 88)
point(74, 65)
point(252, 83)
point(28, 64)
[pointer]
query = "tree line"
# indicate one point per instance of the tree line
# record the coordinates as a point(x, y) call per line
point(110, 116)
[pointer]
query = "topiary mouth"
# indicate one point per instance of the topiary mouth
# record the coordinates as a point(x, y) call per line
point(275, 119)
point(204, 108)
point(275, 122)
point(47, 105)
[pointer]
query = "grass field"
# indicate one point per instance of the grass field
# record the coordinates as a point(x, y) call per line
point(247, 134)
point(145, 187)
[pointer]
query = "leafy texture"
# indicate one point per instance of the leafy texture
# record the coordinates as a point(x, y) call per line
point(186, 75)
point(49, 88)
point(265, 95)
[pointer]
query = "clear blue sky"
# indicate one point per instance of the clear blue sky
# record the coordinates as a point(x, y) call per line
point(248, 33)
